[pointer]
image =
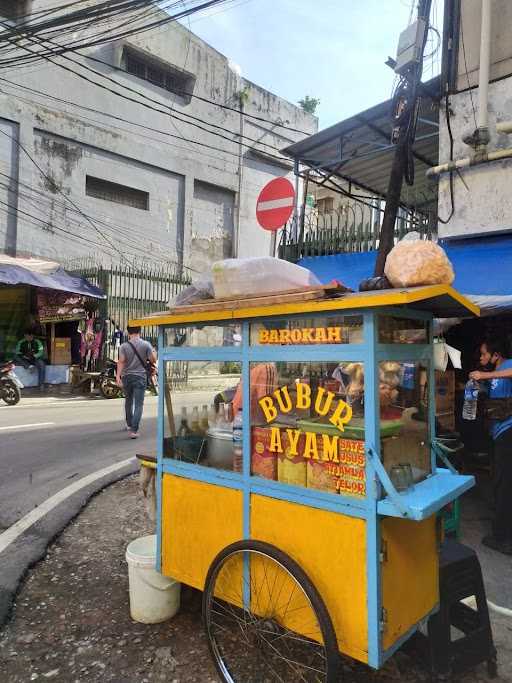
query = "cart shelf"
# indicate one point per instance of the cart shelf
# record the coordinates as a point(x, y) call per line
point(428, 496)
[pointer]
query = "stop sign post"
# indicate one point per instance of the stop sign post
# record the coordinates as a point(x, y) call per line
point(275, 204)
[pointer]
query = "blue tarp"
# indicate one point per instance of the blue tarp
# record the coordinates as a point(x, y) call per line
point(59, 280)
point(482, 265)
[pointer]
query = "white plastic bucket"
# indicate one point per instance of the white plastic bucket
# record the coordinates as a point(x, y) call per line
point(153, 597)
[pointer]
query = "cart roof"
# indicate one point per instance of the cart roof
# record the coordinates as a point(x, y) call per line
point(441, 300)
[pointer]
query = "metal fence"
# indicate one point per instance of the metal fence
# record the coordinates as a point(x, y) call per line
point(354, 228)
point(132, 293)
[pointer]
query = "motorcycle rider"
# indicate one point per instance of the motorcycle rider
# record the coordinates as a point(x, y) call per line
point(29, 354)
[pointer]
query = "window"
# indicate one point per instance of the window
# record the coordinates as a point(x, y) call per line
point(325, 205)
point(162, 75)
point(119, 194)
point(307, 425)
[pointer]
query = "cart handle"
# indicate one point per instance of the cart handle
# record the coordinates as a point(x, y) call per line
point(441, 450)
point(387, 483)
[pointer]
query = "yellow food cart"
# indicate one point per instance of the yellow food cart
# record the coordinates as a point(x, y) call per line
point(297, 478)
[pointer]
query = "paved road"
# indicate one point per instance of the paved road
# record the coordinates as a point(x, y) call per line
point(48, 443)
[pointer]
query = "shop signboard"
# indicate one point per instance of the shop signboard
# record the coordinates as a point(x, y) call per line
point(54, 306)
point(322, 459)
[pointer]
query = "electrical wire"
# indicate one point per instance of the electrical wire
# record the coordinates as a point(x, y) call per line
point(119, 118)
point(255, 117)
point(52, 184)
point(467, 72)
point(444, 221)
point(191, 122)
point(98, 39)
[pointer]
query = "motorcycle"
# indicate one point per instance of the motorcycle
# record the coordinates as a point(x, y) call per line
point(10, 385)
point(107, 382)
point(108, 386)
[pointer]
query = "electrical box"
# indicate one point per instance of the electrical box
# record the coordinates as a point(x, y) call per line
point(410, 45)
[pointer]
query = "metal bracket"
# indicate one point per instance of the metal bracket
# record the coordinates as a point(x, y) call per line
point(388, 484)
point(383, 619)
point(440, 452)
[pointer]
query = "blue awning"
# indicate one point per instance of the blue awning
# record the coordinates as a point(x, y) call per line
point(59, 280)
point(482, 265)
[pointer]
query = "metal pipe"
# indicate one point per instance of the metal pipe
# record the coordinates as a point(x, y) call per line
point(485, 65)
point(504, 127)
point(470, 161)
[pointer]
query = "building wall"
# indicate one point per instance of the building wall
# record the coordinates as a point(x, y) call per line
point(202, 197)
point(8, 185)
point(469, 42)
point(481, 193)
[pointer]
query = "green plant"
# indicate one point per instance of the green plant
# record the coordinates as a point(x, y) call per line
point(309, 104)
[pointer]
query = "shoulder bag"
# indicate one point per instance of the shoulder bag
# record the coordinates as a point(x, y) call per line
point(148, 365)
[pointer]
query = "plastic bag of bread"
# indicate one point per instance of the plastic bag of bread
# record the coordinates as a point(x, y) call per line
point(418, 262)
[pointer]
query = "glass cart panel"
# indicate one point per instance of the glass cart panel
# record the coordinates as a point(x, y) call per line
point(394, 330)
point(198, 422)
point(341, 329)
point(220, 335)
point(307, 425)
point(404, 401)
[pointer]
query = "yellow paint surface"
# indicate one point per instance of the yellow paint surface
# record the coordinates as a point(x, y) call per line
point(331, 549)
point(198, 521)
point(393, 297)
point(410, 584)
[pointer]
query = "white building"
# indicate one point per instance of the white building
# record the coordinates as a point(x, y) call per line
point(481, 193)
point(176, 179)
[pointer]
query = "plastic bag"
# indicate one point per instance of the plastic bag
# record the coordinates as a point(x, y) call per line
point(263, 275)
point(418, 262)
point(199, 290)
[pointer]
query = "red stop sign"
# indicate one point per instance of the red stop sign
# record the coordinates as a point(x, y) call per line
point(275, 204)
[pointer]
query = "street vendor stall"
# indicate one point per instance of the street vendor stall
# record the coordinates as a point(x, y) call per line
point(304, 502)
point(40, 296)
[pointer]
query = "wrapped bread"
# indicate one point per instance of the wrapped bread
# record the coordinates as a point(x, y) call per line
point(418, 262)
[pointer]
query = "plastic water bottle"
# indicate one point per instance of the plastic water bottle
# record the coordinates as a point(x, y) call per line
point(470, 400)
point(238, 442)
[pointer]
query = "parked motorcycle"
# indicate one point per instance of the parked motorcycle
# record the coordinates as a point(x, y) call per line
point(107, 382)
point(108, 386)
point(10, 385)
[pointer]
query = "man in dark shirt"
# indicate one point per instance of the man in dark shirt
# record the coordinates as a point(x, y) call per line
point(500, 386)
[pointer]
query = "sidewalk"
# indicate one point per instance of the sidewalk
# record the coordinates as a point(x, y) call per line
point(71, 622)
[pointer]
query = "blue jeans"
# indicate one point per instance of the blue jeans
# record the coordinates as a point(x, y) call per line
point(37, 362)
point(134, 387)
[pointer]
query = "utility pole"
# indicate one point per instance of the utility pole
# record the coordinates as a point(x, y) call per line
point(405, 114)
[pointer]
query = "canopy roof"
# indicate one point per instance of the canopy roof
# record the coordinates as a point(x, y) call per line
point(58, 279)
point(358, 150)
point(442, 300)
point(483, 270)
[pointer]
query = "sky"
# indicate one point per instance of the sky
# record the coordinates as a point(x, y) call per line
point(333, 50)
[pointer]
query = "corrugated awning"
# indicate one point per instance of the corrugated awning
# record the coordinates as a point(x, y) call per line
point(358, 150)
point(483, 270)
point(58, 280)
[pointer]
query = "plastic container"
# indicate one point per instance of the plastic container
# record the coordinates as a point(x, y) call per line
point(469, 409)
point(153, 598)
point(238, 442)
point(220, 449)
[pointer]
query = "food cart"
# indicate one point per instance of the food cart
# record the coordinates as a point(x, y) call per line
point(310, 527)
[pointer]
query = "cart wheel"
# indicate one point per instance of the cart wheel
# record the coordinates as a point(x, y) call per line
point(284, 633)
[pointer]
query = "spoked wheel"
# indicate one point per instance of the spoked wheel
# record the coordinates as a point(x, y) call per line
point(265, 620)
point(109, 389)
point(10, 393)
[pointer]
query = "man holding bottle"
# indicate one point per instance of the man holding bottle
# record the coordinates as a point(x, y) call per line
point(499, 383)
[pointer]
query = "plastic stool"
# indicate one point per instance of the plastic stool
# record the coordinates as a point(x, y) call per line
point(460, 577)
